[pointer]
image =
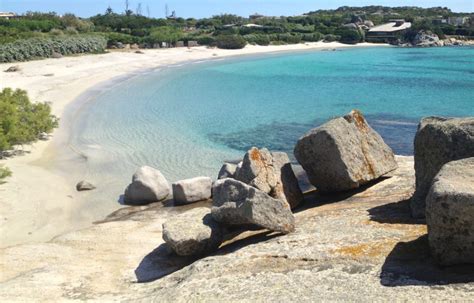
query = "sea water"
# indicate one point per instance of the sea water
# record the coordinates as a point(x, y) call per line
point(187, 120)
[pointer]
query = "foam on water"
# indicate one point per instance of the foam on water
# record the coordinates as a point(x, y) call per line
point(187, 120)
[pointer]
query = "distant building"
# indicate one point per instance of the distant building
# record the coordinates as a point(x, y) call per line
point(251, 25)
point(440, 21)
point(388, 32)
point(458, 21)
point(7, 15)
point(256, 16)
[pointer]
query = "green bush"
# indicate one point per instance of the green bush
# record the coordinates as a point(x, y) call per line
point(350, 36)
point(21, 121)
point(314, 37)
point(331, 38)
point(113, 38)
point(290, 38)
point(4, 172)
point(36, 48)
point(206, 40)
point(257, 39)
point(230, 42)
point(166, 34)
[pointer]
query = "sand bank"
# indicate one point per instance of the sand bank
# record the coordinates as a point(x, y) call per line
point(38, 202)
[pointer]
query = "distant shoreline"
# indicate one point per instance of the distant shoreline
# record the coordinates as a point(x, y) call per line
point(38, 192)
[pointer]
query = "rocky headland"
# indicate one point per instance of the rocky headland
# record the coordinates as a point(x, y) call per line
point(251, 243)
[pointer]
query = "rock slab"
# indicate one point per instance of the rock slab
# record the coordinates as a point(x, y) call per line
point(450, 213)
point(193, 233)
point(148, 185)
point(343, 154)
point(438, 141)
point(271, 173)
point(236, 203)
point(192, 190)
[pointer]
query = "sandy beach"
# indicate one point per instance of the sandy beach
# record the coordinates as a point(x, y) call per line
point(38, 203)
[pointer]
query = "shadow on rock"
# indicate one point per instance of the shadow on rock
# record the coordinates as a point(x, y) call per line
point(240, 239)
point(410, 263)
point(163, 261)
point(394, 213)
point(160, 262)
point(315, 199)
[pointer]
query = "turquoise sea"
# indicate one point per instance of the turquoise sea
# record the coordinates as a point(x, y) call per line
point(186, 120)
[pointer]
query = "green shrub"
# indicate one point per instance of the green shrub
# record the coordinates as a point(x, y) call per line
point(113, 38)
point(331, 38)
point(206, 40)
point(230, 42)
point(4, 172)
point(21, 121)
point(257, 39)
point(350, 36)
point(35, 48)
point(314, 37)
point(166, 34)
point(290, 38)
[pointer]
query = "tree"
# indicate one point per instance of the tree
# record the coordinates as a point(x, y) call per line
point(109, 11)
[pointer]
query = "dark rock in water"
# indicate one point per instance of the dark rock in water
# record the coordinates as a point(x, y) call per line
point(227, 171)
point(193, 232)
point(192, 190)
point(148, 185)
point(13, 69)
point(343, 154)
point(84, 185)
point(271, 173)
point(236, 203)
point(450, 213)
point(438, 141)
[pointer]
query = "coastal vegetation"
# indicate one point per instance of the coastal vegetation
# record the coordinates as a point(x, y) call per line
point(119, 28)
point(22, 121)
point(4, 173)
point(34, 48)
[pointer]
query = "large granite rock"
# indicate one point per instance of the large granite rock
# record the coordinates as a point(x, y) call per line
point(271, 173)
point(192, 190)
point(193, 232)
point(343, 154)
point(427, 38)
point(236, 203)
point(438, 141)
point(450, 213)
point(148, 185)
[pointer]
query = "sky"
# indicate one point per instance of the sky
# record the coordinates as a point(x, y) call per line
point(207, 8)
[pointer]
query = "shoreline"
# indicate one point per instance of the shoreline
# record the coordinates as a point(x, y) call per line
point(39, 201)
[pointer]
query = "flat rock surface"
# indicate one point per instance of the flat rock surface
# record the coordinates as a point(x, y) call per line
point(359, 247)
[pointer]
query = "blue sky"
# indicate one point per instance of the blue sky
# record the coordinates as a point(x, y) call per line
point(205, 8)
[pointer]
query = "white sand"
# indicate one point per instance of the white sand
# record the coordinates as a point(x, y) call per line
point(38, 203)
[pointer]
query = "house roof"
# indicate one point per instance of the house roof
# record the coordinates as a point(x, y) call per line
point(390, 27)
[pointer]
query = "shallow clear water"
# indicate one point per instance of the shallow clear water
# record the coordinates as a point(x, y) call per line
point(187, 120)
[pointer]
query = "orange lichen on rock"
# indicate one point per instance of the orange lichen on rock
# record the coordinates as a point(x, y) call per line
point(370, 250)
point(255, 154)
